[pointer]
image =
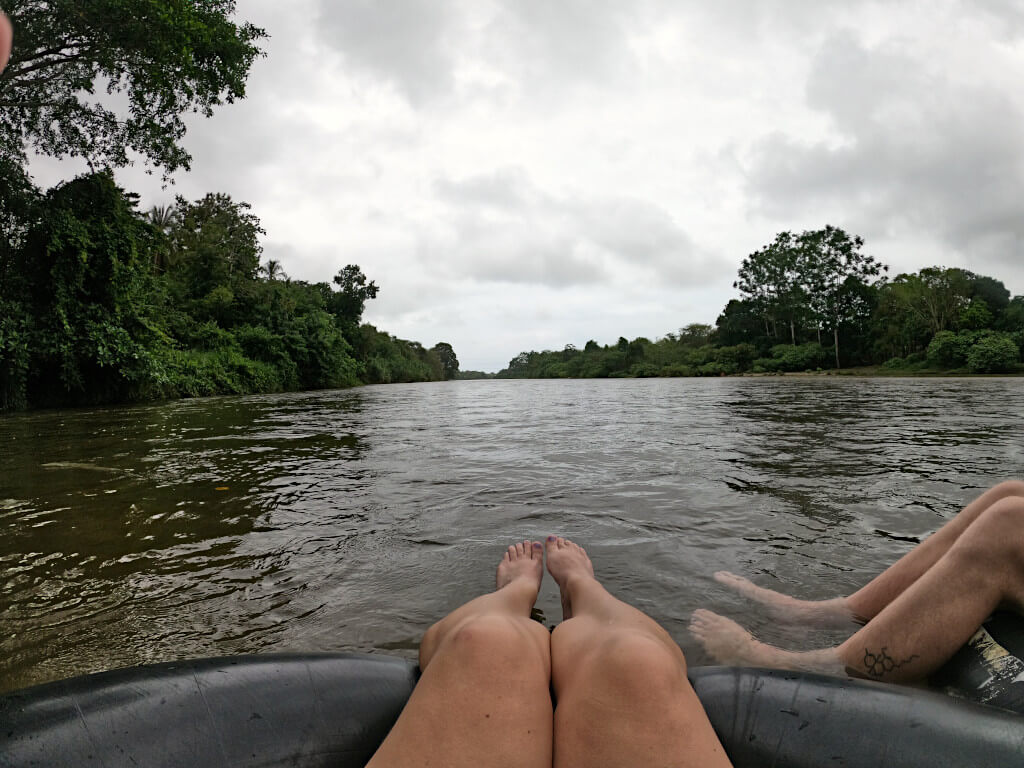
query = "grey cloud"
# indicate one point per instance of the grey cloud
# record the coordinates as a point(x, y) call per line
point(1006, 17)
point(916, 147)
point(409, 43)
point(506, 188)
point(571, 40)
point(500, 227)
point(417, 45)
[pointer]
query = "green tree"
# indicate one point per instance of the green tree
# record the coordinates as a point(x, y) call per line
point(993, 292)
point(935, 296)
point(163, 58)
point(773, 279)
point(216, 250)
point(739, 323)
point(349, 301)
point(899, 328)
point(273, 270)
point(975, 316)
point(993, 353)
point(1012, 317)
point(835, 269)
point(449, 362)
point(96, 336)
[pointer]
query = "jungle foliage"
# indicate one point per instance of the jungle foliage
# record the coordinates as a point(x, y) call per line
point(157, 59)
point(100, 303)
point(812, 301)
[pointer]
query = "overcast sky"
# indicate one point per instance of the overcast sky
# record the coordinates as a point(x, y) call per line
point(524, 174)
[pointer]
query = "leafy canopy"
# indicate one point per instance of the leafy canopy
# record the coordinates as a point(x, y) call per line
point(160, 58)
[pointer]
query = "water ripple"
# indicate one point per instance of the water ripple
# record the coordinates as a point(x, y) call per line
point(352, 520)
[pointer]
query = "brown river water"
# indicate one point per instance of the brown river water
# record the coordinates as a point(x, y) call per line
point(351, 520)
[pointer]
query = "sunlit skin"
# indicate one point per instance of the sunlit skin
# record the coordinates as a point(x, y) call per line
point(484, 698)
point(6, 36)
point(915, 615)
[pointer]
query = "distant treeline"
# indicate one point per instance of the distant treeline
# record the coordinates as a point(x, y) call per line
point(100, 303)
point(812, 301)
point(467, 375)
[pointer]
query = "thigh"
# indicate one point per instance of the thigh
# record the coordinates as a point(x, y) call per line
point(628, 704)
point(483, 701)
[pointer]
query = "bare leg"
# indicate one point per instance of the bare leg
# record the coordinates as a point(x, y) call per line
point(921, 628)
point(5, 40)
point(483, 699)
point(869, 601)
point(620, 681)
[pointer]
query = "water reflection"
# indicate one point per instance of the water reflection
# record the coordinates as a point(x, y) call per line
point(351, 520)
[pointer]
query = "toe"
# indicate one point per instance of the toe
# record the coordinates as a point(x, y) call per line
point(512, 554)
point(538, 550)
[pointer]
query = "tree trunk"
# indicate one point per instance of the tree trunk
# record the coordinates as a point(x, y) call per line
point(792, 331)
point(836, 337)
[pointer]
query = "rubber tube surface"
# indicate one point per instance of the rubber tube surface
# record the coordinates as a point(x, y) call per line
point(304, 711)
point(795, 720)
point(314, 711)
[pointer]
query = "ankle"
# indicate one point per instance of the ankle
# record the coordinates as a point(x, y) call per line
point(578, 582)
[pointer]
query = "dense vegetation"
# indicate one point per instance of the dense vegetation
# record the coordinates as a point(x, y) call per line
point(102, 303)
point(99, 303)
point(813, 300)
point(161, 59)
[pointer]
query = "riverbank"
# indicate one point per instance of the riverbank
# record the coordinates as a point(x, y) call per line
point(880, 371)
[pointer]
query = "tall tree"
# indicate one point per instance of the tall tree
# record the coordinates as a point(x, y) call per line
point(164, 58)
point(273, 270)
point(449, 362)
point(215, 245)
point(348, 302)
point(834, 266)
point(935, 295)
point(86, 261)
point(772, 279)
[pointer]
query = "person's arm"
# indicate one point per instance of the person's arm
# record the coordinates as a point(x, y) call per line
point(6, 34)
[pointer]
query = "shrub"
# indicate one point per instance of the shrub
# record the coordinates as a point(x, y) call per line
point(949, 350)
point(739, 356)
point(797, 358)
point(895, 363)
point(995, 353)
point(209, 336)
point(643, 370)
point(717, 369)
point(678, 369)
point(261, 344)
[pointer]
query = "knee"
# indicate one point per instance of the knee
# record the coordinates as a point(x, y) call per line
point(997, 533)
point(498, 641)
point(640, 666)
point(1007, 489)
point(1004, 517)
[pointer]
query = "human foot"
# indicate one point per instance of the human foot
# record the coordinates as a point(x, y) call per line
point(567, 561)
point(789, 610)
point(522, 563)
point(727, 641)
point(731, 644)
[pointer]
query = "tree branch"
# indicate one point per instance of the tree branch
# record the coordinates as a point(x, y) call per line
point(16, 73)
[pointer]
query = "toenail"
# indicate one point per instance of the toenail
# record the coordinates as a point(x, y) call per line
point(551, 538)
point(536, 544)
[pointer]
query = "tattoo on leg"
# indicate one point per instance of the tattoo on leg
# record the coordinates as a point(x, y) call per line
point(881, 663)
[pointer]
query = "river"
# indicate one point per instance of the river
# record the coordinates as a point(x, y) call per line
point(351, 520)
